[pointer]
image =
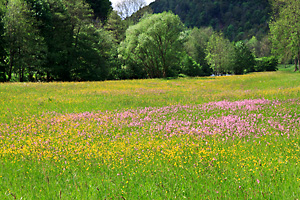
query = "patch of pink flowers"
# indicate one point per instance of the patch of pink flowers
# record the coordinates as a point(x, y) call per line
point(230, 120)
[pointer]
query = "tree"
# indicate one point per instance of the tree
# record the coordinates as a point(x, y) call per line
point(253, 45)
point(259, 48)
point(57, 30)
point(92, 54)
point(237, 19)
point(116, 26)
point(155, 43)
point(101, 8)
point(219, 53)
point(191, 67)
point(243, 59)
point(285, 29)
point(195, 47)
point(90, 44)
point(265, 47)
point(126, 8)
point(3, 65)
point(26, 48)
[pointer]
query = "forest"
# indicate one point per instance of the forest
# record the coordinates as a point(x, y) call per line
point(238, 20)
point(86, 40)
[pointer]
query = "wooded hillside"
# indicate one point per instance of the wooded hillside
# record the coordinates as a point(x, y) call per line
point(237, 19)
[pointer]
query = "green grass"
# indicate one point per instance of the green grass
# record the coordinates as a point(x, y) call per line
point(26, 99)
point(286, 68)
point(233, 137)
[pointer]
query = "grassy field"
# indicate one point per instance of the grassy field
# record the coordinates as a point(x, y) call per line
point(234, 137)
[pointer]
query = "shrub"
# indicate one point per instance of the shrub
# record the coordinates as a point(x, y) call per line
point(266, 64)
point(191, 67)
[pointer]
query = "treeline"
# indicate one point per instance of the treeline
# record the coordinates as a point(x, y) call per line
point(237, 19)
point(72, 40)
point(54, 40)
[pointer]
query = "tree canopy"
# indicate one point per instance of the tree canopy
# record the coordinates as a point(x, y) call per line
point(219, 53)
point(237, 19)
point(84, 40)
point(26, 48)
point(101, 8)
point(154, 44)
point(285, 30)
point(52, 40)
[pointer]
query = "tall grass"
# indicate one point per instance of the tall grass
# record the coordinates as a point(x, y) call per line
point(233, 137)
point(27, 99)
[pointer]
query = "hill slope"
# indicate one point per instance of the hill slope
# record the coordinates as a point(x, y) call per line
point(238, 19)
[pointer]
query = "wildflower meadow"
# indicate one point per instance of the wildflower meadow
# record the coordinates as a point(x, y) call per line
point(234, 137)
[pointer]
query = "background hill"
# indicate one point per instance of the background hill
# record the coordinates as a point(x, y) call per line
point(237, 19)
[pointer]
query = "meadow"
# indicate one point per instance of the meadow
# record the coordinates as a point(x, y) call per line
point(233, 137)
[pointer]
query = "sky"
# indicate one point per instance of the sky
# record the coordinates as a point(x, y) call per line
point(113, 2)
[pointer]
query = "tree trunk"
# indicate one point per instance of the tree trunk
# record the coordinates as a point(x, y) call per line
point(3, 75)
point(299, 61)
point(11, 60)
point(76, 36)
point(48, 77)
point(21, 74)
point(296, 65)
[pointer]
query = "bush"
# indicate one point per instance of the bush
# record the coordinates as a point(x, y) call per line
point(119, 74)
point(191, 67)
point(243, 59)
point(266, 64)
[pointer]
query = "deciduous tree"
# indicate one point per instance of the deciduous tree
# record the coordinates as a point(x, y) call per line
point(243, 59)
point(155, 43)
point(116, 26)
point(3, 64)
point(90, 44)
point(101, 8)
point(219, 53)
point(26, 48)
point(285, 29)
point(195, 47)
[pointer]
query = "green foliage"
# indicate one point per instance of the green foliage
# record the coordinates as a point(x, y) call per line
point(55, 40)
point(116, 26)
point(259, 48)
point(92, 53)
point(195, 46)
point(101, 8)
point(26, 48)
point(119, 73)
point(243, 59)
point(3, 64)
point(45, 40)
point(285, 30)
point(237, 19)
point(155, 43)
point(253, 45)
point(90, 47)
point(191, 67)
point(57, 32)
point(266, 64)
point(138, 15)
point(219, 53)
